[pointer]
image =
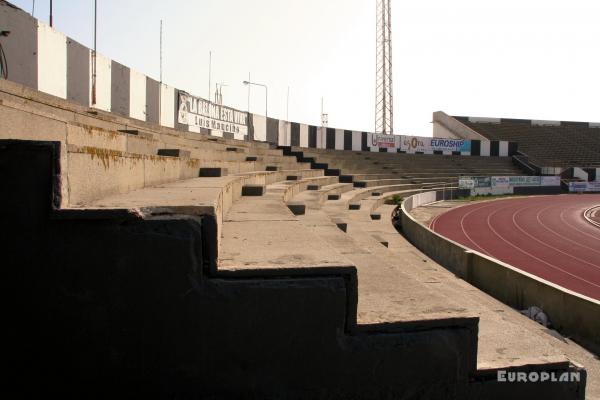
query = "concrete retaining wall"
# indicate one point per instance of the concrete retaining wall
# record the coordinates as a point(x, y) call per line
point(572, 314)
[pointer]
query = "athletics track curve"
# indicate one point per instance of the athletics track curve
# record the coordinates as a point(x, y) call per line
point(547, 236)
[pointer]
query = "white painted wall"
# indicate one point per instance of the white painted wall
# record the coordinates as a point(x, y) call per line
point(284, 133)
point(339, 139)
point(52, 61)
point(260, 127)
point(321, 137)
point(196, 129)
point(503, 148)
point(485, 148)
point(167, 106)
point(356, 141)
point(303, 135)
point(137, 95)
point(103, 82)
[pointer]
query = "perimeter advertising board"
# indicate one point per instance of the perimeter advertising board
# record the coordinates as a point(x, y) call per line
point(524, 180)
point(472, 182)
point(200, 113)
point(579, 187)
point(387, 141)
point(413, 144)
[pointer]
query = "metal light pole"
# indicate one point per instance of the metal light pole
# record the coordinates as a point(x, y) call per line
point(94, 56)
point(51, 24)
point(266, 94)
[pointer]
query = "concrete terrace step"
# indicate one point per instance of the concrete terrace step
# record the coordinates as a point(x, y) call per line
point(425, 289)
point(315, 199)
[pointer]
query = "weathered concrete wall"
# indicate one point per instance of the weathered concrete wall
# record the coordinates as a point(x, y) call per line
point(78, 72)
point(152, 101)
point(168, 103)
point(571, 313)
point(137, 95)
point(21, 46)
point(52, 61)
point(120, 92)
point(103, 82)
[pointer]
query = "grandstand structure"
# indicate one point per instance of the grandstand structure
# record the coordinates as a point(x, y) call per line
point(547, 144)
point(153, 249)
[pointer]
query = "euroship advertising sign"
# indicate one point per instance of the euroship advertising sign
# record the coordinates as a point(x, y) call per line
point(194, 111)
point(413, 144)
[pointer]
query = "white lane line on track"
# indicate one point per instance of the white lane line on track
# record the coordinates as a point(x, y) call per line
point(462, 227)
point(590, 213)
point(539, 219)
point(531, 255)
point(562, 218)
point(514, 220)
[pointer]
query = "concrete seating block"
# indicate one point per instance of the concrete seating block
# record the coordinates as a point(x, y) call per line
point(272, 168)
point(313, 187)
point(381, 240)
point(341, 224)
point(292, 178)
point(253, 190)
point(354, 206)
point(212, 172)
point(375, 216)
point(174, 153)
point(332, 172)
point(333, 197)
point(376, 194)
point(251, 158)
point(346, 178)
point(297, 207)
point(360, 184)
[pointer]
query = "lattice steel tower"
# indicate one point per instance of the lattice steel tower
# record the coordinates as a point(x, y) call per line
point(384, 99)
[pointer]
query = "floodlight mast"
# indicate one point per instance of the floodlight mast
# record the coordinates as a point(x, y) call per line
point(384, 99)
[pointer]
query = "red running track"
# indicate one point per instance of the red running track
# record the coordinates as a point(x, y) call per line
point(547, 236)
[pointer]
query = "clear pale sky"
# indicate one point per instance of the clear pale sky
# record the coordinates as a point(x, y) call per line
point(537, 59)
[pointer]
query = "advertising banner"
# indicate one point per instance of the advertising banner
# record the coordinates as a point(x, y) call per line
point(412, 144)
point(579, 187)
point(466, 183)
point(550, 181)
point(525, 180)
point(470, 182)
point(388, 141)
point(500, 181)
point(194, 111)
